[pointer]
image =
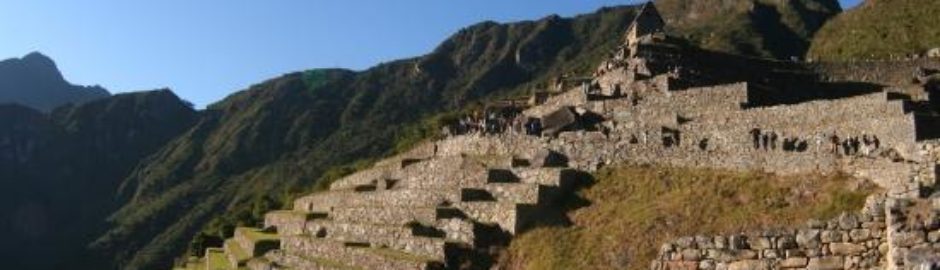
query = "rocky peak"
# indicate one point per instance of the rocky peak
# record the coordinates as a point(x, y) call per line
point(35, 81)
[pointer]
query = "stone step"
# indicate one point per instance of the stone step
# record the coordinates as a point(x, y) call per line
point(324, 202)
point(519, 193)
point(553, 177)
point(235, 255)
point(523, 193)
point(216, 260)
point(453, 230)
point(412, 238)
point(363, 178)
point(290, 222)
point(393, 215)
point(255, 242)
point(279, 259)
point(356, 256)
point(506, 215)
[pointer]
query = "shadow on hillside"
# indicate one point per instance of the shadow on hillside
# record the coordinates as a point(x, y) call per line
point(560, 202)
point(491, 240)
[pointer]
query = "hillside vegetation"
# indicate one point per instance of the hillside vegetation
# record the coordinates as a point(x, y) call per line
point(880, 29)
point(765, 28)
point(60, 170)
point(621, 221)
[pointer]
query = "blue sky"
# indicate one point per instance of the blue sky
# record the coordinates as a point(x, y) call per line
point(207, 49)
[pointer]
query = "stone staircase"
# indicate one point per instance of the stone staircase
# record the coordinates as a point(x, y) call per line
point(419, 210)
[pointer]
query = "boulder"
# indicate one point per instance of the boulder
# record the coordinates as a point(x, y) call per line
point(933, 53)
point(558, 121)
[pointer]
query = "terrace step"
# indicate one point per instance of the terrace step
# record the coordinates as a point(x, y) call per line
point(450, 230)
point(216, 260)
point(248, 243)
point(324, 202)
point(394, 215)
point(290, 222)
point(279, 259)
point(407, 238)
point(357, 256)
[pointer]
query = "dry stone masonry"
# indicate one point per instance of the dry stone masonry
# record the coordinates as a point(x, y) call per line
point(429, 208)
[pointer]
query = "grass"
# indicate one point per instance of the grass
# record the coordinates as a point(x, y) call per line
point(879, 30)
point(215, 260)
point(257, 235)
point(633, 210)
point(240, 254)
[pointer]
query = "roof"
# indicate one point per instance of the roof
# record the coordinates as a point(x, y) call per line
point(648, 21)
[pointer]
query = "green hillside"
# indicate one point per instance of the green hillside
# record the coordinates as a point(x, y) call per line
point(765, 28)
point(880, 29)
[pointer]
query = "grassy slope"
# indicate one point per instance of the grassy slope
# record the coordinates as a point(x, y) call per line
point(633, 210)
point(879, 29)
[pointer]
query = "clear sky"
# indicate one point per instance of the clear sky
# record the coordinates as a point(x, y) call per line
point(207, 49)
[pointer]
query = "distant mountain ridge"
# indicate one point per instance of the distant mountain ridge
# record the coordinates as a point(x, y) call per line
point(35, 81)
point(60, 170)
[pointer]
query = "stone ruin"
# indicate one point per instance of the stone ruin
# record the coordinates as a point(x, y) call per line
point(443, 204)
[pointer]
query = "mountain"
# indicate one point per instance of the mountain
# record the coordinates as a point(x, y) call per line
point(880, 29)
point(765, 28)
point(60, 170)
point(35, 81)
point(260, 147)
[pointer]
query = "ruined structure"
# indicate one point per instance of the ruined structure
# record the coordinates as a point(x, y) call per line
point(443, 203)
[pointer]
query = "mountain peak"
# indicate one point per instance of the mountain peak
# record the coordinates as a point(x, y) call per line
point(35, 81)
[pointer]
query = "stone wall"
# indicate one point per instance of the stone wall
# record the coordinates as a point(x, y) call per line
point(868, 135)
point(883, 235)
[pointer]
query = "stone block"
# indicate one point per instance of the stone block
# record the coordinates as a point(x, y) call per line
point(786, 242)
point(934, 237)
point(830, 236)
point(825, 263)
point(770, 254)
point(721, 242)
point(808, 238)
point(685, 242)
point(737, 242)
point(691, 254)
point(759, 243)
point(791, 253)
point(909, 239)
point(848, 221)
point(680, 265)
point(795, 262)
point(745, 254)
point(706, 265)
point(749, 265)
point(859, 235)
point(846, 249)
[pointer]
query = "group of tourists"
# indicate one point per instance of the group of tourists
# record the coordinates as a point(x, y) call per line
point(497, 121)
